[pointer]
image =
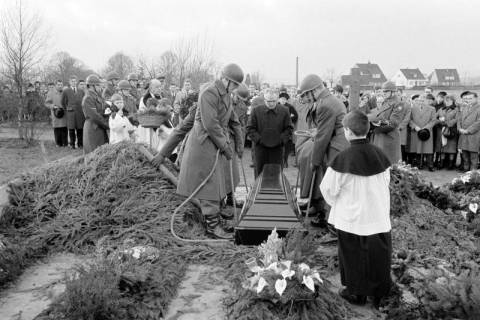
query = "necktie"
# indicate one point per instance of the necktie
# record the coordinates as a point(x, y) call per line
point(74, 90)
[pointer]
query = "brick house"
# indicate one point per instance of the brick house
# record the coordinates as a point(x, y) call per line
point(370, 76)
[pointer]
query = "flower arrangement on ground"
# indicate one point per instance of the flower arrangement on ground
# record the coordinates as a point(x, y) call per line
point(280, 280)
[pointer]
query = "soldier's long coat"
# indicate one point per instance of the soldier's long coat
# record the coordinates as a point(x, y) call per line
point(469, 119)
point(326, 116)
point(209, 134)
point(96, 125)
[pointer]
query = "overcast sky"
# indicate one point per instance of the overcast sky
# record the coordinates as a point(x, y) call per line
point(267, 35)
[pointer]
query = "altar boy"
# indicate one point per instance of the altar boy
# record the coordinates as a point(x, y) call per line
point(362, 218)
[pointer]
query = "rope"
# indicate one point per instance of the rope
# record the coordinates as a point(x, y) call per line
point(190, 198)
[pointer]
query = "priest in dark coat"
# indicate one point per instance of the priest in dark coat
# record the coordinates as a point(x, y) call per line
point(362, 218)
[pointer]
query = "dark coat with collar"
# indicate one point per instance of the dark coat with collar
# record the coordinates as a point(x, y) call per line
point(209, 134)
point(469, 119)
point(270, 127)
point(387, 137)
point(96, 125)
point(72, 103)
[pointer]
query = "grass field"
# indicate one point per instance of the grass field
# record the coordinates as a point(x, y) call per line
point(16, 157)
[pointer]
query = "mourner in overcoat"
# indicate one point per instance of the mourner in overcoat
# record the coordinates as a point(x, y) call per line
point(469, 129)
point(72, 97)
point(53, 101)
point(388, 117)
point(96, 124)
point(447, 117)
point(423, 116)
point(404, 132)
point(269, 127)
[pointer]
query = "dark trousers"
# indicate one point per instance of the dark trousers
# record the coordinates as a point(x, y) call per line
point(404, 153)
point(424, 159)
point(470, 160)
point(289, 148)
point(61, 136)
point(264, 155)
point(76, 134)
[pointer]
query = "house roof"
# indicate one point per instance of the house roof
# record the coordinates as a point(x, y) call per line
point(413, 74)
point(443, 73)
point(370, 69)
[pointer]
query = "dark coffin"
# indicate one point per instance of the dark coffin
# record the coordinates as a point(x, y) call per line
point(270, 204)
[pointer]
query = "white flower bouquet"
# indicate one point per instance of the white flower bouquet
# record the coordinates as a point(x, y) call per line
point(280, 280)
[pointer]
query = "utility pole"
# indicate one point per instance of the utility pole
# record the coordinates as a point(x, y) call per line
point(296, 74)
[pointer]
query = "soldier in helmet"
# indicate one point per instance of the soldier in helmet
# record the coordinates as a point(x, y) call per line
point(325, 115)
point(96, 125)
point(112, 81)
point(132, 79)
point(209, 147)
point(386, 119)
point(129, 101)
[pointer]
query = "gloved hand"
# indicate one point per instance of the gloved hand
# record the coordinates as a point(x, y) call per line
point(228, 152)
point(239, 150)
point(315, 167)
point(158, 160)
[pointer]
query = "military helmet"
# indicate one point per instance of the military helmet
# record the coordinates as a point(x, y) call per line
point(310, 82)
point(242, 92)
point(115, 97)
point(92, 79)
point(233, 73)
point(389, 86)
point(112, 75)
point(124, 85)
point(132, 76)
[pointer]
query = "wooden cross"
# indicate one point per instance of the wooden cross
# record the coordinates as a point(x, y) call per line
point(354, 93)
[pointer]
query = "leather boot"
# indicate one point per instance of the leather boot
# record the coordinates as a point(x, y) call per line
point(229, 202)
point(215, 230)
point(226, 214)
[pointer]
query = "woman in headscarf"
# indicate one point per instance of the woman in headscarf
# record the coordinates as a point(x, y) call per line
point(447, 116)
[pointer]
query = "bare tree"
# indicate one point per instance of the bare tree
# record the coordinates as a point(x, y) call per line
point(22, 42)
point(257, 78)
point(62, 66)
point(330, 76)
point(194, 60)
point(121, 64)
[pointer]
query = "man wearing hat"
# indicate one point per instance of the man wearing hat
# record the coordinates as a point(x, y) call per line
point(324, 116)
point(269, 127)
point(423, 118)
point(386, 119)
point(289, 146)
point(469, 129)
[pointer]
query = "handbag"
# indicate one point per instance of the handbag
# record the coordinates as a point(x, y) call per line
point(450, 132)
